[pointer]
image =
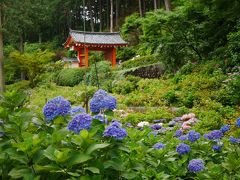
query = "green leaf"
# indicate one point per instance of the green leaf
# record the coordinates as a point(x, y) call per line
point(115, 165)
point(78, 158)
point(84, 134)
point(94, 147)
point(129, 175)
point(93, 170)
point(16, 173)
point(49, 168)
point(49, 153)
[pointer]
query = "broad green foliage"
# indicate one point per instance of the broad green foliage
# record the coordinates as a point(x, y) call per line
point(33, 149)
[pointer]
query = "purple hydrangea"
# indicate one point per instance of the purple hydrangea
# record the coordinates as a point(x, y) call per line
point(156, 126)
point(238, 122)
point(115, 131)
point(234, 140)
point(80, 122)
point(158, 145)
point(193, 136)
point(183, 149)
point(76, 110)
point(183, 137)
point(101, 118)
point(215, 134)
point(101, 100)
point(216, 148)
point(196, 165)
point(55, 107)
point(225, 128)
point(178, 133)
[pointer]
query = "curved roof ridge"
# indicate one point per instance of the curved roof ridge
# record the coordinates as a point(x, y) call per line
point(89, 32)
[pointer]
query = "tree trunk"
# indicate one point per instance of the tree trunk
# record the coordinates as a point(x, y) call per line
point(91, 16)
point(2, 82)
point(107, 15)
point(100, 15)
point(140, 8)
point(40, 38)
point(21, 49)
point(117, 13)
point(111, 16)
point(155, 5)
point(167, 5)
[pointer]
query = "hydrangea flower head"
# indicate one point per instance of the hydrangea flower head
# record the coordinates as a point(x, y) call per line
point(159, 145)
point(238, 122)
point(80, 122)
point(196, 165)
point(215, 134)
point(193, 136)
point(101, 118)
point(183, 137)
point(216, 148)
point(76, 110)
point(234, 140)
point(156, 126)
point(178, 133)
point(55, 107)
point(183, 149)
point(101, 100)
point(225, 128)
point(115, 131)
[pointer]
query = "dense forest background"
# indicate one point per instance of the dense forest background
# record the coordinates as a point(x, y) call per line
point(173, 31)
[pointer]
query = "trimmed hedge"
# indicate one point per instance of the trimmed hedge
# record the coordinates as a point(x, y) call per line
point(70, 77)
point(139, 61)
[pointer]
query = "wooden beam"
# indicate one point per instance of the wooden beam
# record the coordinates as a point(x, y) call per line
point(86, 57)
point(113, 57)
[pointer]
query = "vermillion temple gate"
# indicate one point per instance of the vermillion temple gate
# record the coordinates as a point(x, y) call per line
point(83, 42)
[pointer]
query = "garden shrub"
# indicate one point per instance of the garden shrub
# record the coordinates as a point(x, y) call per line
point(100, 75)
point(139, 61)
point(70, 77)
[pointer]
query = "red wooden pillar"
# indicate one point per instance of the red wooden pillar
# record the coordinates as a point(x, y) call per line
point(113, 57)
point(86, 57)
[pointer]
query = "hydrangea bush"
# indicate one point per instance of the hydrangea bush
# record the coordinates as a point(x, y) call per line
point(86, 146)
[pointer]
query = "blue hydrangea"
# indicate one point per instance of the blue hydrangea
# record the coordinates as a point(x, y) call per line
point(183, 137)
point(215, 134)
point(110, 102)
point(101, 118)
point(55, 107)
point(234, 140)
point(115, 131)
point(154, 133)
point(101, 101)
point(80, 122)
point(128, 124)
point(193, 136)
point(178, 133)
point(238, 122)
point(158, 145)
point(76, 110)
point(183, 149)
point(225, 128)
point(196, 165)
point(216, 148)
point(156, 126)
